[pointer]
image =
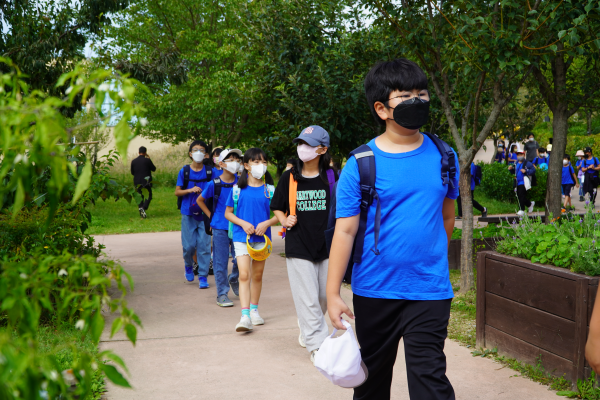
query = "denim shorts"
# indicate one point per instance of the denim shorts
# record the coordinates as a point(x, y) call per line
point(241, 249)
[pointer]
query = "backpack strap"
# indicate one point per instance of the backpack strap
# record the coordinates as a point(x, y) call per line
point(365, 160)
point(448, 159)
point(186, 182)
point(331, 180)
point(216, 193)
point(235, 193)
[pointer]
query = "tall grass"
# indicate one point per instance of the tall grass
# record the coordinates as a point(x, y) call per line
point(168, 162)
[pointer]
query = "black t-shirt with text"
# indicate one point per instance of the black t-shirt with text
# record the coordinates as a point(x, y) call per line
point(306, 239)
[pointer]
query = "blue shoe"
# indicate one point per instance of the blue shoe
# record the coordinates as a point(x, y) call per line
point(189, 273)
point(203, 283)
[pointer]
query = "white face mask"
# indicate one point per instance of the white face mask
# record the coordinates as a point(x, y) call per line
point(257, 171)
point(565, 162)
point(198, 156)
point(232, 166)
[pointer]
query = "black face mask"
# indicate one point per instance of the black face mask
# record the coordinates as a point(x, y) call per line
point(412, 114)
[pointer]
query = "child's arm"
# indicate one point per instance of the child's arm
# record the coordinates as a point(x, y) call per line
point(201, 203)
point(448, 216)
point(246, 226)
point(263, 226)
point(341, 247)
point(288, 221)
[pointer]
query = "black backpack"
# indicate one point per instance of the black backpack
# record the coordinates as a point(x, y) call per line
point(365, 160)
point(187, 180)
point(211, 203)
point(478, 175)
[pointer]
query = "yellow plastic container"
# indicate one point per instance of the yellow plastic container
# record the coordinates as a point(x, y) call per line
point(260, 254)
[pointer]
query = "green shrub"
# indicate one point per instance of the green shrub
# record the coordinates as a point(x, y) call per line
point(568, 241)
point(538, 193)
point(497, 182)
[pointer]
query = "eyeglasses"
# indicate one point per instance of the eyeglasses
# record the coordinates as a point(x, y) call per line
point(406, 98)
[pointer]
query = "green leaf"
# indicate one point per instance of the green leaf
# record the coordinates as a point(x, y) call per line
point(97, 326)
point(563, 239)
point(109, 355)
point(116, 326)
point(131, 332)
point(83, 182)
point(114, 375)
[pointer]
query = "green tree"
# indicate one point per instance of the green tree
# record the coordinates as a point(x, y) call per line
point(193, 57)
point(47, 38)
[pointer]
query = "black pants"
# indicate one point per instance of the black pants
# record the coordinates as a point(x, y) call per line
point(589, 186)
point(475, 204)
point(522, 196)
point(145, 202)
point(423, 326)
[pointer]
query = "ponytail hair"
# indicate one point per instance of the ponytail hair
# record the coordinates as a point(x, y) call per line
point(324, 162)
point(253, 154)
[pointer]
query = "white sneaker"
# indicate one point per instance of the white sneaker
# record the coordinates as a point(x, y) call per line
point(520, 213)
point(312, 356)
point(255, 317)
point(531, 207)
point(301, 337)
point(245, 325)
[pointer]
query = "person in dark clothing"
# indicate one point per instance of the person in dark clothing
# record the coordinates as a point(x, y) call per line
point(141, 169)
point(531, 147)
point(476, 204)
point(590, 167)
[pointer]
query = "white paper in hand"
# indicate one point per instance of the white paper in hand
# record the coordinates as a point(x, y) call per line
point(339, 360)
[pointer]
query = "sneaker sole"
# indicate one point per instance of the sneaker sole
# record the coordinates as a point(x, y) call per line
point(242, 329)
point(203, 287)
point(258, 323)
point(224, 304)
point(300, 341)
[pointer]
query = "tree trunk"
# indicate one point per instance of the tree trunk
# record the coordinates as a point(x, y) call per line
point(559, 144)
point(467, 280)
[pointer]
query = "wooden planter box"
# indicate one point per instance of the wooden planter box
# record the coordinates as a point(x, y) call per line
point(456, 246)
point(535, 312)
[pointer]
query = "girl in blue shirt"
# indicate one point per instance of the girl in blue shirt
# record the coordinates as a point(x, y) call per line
point(569, 179)
point(512, 156)
point(252, 219)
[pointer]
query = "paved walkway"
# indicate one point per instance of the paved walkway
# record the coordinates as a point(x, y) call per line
point(188, 348)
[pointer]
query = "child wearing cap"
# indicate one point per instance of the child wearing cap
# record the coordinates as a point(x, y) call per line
point(229, 161)
point(590, 167)
point(251, 222)
point(522, 169)
point(306, 253)
point(404, 291)
point(569, 179)
point(191, 181)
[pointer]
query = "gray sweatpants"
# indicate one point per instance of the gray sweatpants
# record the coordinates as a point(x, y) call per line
point(308, 281)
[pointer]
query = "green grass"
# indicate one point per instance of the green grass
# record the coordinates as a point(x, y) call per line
point(64, 335)
point(496, 207)
point(110, 217)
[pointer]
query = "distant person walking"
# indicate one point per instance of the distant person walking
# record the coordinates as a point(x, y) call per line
point(569, 179)
point(590, 167)
point(141, 169)
point(523, 170)
point(531, 148)
point(580, 173)
point(475, 181)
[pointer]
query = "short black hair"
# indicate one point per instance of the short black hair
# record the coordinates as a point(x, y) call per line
point(196, 143)
point(542, 149)
point(387, 76)
point(568, 157)
point(253, 154)
point(530, 134)
point(217, 152)
point(143, 150)
point(291, 161)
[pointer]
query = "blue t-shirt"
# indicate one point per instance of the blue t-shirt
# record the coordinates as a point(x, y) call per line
point(218, 172)
point(190, 198)
point(500, 156)
point(253, 207)
point(218, 219)
point(512, 158)
point(526, 165)
point(413, 245)
point(567, 177)
point(472, 176)
point(541, 160)
point(590, 163)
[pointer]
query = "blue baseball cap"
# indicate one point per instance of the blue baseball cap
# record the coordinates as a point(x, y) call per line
point(196, 212)
point(314, 135)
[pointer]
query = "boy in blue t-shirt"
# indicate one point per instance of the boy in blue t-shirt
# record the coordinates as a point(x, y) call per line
point(569, 179)
point(405, 291)
point(193, 234)
point(229, 160)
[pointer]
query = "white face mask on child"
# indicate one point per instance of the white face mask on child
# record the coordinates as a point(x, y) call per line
point(565, 162)
point(198, 156)
point(232, 166)
point(257, 171)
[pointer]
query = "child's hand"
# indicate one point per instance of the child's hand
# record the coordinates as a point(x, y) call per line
point(336, 307)
point(523, 171)
point(577, 185)
point(290, 221)
point(248, 228)
point(262, 228)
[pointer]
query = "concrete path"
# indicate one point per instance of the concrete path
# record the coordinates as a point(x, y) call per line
point(188, 348)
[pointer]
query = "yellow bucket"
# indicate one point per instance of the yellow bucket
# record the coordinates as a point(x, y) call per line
point(260, 254)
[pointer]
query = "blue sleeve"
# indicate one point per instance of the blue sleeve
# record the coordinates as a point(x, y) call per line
point(348, 191)
point(530, 169)
point(180, 179)
point(229, 202)
point(209, 191)
point(453, 193)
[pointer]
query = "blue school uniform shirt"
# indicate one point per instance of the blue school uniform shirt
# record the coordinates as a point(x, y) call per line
point(413, 245)
point(526, 165)
point(190, 198)
point(472, 176)
point(499, 156)
point(512, 158)
point(218, 219)
point(567, 177)
point(217, 172)
point(253, 207)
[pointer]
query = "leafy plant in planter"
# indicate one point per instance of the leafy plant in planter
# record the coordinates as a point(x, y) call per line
point(569, 242)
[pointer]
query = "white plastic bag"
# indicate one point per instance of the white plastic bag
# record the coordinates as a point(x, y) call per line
point(527, 182)
point(339, 360)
